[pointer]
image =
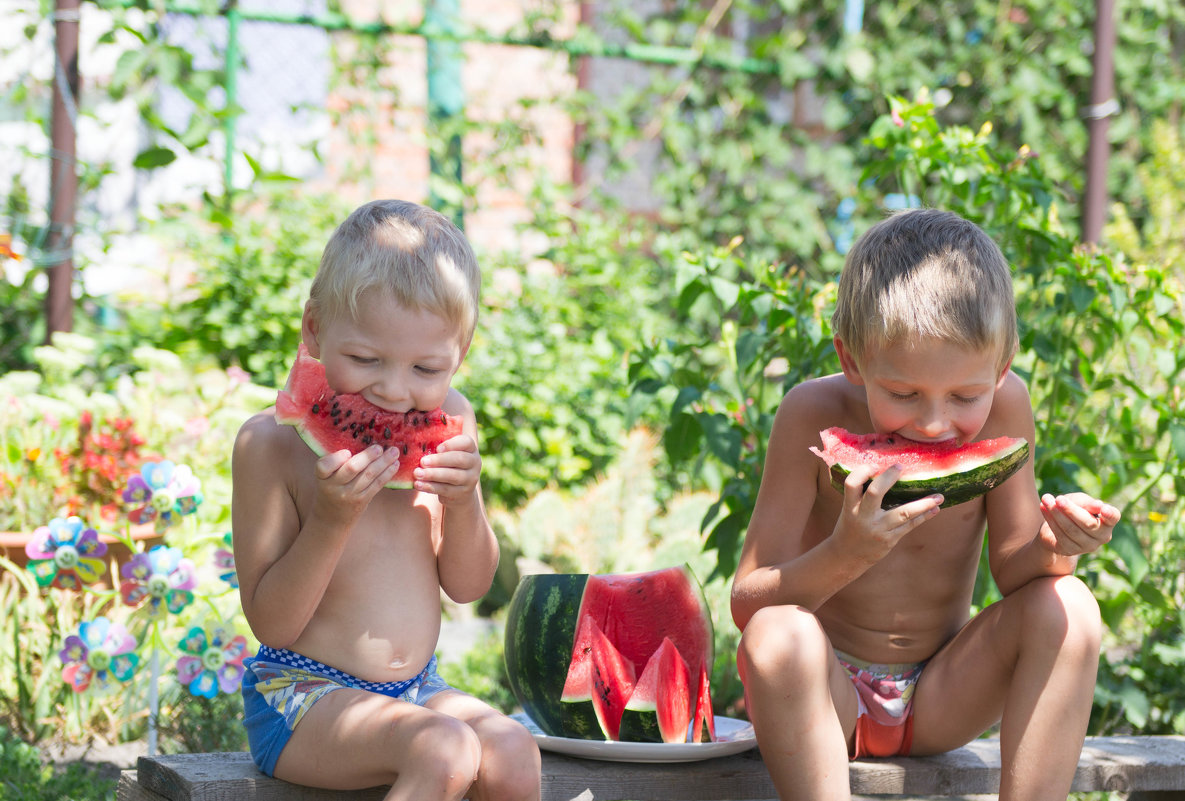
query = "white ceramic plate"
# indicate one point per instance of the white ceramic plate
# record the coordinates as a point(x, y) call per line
point(732, 737)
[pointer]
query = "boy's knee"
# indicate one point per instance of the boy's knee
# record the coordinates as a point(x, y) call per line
point(449, 751)
point(510, 764)
point(782, 638)
point(1065, 609)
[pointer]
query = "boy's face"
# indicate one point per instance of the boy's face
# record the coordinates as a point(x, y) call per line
point(929, 391)
point(395, 357)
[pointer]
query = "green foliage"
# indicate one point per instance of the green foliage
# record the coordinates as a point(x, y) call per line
point(1098, 350)
point(27, 778)
point(253, 267)
point(749, 336)
point(482, 673)
point(544, 371)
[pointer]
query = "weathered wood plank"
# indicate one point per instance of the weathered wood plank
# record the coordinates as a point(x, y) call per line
point(128, 789)
point(1154, 766)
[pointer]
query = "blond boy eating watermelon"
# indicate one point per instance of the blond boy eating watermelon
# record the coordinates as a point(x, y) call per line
point(340, 576)
point(857, 635)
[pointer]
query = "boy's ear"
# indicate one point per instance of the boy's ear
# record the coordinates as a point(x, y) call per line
point(308, 331)
point(1004, 373)
point(851, 370)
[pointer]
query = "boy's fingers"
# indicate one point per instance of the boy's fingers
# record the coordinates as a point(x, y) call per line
point(330, 463)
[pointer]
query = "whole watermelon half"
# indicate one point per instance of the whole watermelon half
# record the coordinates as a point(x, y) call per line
point(958, 472)
point(328, 421)
point(583, 651)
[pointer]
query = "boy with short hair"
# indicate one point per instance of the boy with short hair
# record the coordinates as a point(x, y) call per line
point(856, 632)
point(340, 578)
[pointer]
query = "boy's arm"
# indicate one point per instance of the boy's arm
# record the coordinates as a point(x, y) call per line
point(782, 561)
point(1031, 536)
point(283, 566)
point(467, 551)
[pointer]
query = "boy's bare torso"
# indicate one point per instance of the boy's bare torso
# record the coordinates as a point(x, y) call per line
point(379, 618)
point(905, 607)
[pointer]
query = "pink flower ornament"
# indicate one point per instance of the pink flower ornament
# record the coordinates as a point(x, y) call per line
point(163, 492)
point(65, 554)
point(162, 577)
point(213, 661)
point(99, 656)
point(224, 560)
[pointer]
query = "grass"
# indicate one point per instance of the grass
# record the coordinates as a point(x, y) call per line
point(27, 777)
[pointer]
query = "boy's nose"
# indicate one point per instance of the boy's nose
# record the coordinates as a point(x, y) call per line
point(392, 394)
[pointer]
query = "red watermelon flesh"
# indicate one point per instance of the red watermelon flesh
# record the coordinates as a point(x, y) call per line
point(703, 712)
point(636, 613)
point(664, 690)
point(328, 421)
point(919, 460)
point(957, 472)
point(612, 683)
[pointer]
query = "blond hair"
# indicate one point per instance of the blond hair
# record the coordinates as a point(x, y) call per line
point(408, 250)
point(925, 273)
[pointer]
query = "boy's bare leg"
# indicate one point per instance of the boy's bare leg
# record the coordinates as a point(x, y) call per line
point(352, 739)
point(510, 764)
point(792, 682)
point(1029, 661)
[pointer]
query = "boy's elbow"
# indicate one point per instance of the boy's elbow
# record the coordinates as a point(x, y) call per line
point(740, 608)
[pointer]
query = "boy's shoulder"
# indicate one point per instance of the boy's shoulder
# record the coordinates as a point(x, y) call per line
point(819, 403)
point(261, 434)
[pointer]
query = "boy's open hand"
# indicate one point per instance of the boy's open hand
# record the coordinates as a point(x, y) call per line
point(347, 483)
point(452, 472)
point(868, 531)
point(1076, 523)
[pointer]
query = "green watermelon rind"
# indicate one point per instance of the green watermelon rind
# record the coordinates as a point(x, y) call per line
point(956, 488)
point(541, 625)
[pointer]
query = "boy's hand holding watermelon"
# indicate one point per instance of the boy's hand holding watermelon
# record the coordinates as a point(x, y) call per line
point(854, 586)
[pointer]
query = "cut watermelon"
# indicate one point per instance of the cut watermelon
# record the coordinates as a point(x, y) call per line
point(703, 718)
point(659, 709)
point(329, 422)
point(958, 472)
point(612, 683)
point(552, 630)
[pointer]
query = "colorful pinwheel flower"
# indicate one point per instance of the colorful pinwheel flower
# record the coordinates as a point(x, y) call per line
point(162, 576)
point(65, 554)
point(213, 661)
point(98, 655)
point(224, 560)
point(165, 491)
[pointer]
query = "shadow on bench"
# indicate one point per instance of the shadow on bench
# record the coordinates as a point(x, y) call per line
point(1150, 768)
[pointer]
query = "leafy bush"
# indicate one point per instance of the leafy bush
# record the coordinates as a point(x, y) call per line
point(1097, 349)
point(27, 778)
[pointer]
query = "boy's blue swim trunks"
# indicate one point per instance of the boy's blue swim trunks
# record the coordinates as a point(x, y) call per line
point(280, 686)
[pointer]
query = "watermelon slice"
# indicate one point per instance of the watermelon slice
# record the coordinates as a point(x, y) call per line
point(703, 718)
point(612, 683)
point(659, 709)
point(958, 472)
point(329, 422)
point(553, 647)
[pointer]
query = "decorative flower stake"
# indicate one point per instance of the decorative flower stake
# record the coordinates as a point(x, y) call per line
point(224, 560)
point(98, 655)
point(166, 491)
point(162, 576)
point(65, 554)
point(213, 661)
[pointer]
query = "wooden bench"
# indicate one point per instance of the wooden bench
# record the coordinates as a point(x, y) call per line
point(1149, 768)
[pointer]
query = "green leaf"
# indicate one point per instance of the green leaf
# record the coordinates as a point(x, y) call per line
point(1126, 543)
point(154, 157)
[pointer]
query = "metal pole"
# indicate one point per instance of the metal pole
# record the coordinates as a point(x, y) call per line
point(1103, 106)
point(230, 127)
point(446, 102)
point(63, 181)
